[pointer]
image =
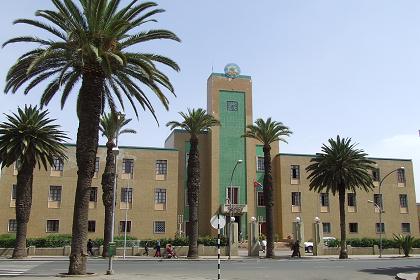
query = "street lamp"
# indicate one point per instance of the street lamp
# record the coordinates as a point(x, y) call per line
point(239, 161)
point(380, 207)
point(115, 152)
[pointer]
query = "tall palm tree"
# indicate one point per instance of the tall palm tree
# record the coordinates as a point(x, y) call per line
point(28, 138)
point(97, 44)
point(268, 132)
point(194, 122)
point(340, 168)
point(111, 127)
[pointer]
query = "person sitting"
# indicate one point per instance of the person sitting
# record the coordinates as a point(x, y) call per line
point(170, 252)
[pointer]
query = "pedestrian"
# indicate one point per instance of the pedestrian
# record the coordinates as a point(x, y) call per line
point(146, 249)
point(90, 247)
point(263, 245)
point(296, 249)
point(157, 253)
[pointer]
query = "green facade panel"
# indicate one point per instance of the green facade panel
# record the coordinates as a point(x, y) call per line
point(260, 178)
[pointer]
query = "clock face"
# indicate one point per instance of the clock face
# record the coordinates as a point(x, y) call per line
point(232, 70)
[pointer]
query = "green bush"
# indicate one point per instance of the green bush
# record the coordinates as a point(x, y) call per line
point(7, 241)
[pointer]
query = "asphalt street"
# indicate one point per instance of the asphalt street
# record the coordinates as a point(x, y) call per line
point(323, 269)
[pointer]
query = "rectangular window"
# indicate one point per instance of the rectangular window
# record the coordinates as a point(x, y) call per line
point(380, 227)
point(401, 176)
point(91, 226)
point(351, 199)
point(233, 192)
point(296, 199)
point(294, 172)
point(123, 226)
point(93, 194)
point(55, 193)
point(13, 195)
point(232, 105)
point(159, 227)
point(260, 164)
point(260, 199)
point(160, 196)
point(353, 227)
point(326, 227)
point(403, 201)
point(128, 166)
point(405, 228)
point(97, 164)
point(53, 225)
point(12, 227)
point(58, 164)
point(376, 175)
point(323, 197)
point(161, 167)
point(377, 199)
point(127, 195)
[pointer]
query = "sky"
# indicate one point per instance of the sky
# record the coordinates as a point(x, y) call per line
point(322, 67)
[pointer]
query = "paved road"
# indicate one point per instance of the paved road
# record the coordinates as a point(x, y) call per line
point(239, 269)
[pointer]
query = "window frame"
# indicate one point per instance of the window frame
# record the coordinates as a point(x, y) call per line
point(97, 164)
point(125, 161)
point(356, 226)
point(58, 161)
point(353, 200)
point(54, 225)
point(161, 166)
point(324, 197)
point(123, 224)
point(95, 191)
point(53, 192)
point(401, 179)
point(159, 199)
point(260, 164)
point(299, 196)
point(379, 226)
point(260, 199)
point(405, 224)
point(14, 223)
point(155, 227)
point(295, 172)
point(229, 107)
point(90, 222)
point(125, 197)
point(13, 192)
point(326, 225)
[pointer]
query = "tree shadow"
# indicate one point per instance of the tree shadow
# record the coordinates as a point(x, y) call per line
point(392, 271)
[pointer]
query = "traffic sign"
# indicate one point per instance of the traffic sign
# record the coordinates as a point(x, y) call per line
point(218, 219)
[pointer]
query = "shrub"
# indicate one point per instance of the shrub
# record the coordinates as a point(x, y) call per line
point(405, 243)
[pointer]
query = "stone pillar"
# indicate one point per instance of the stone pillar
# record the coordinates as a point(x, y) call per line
point(298, 234)
point(135, 251)
point(235, 239)
point(67, 250)
point(101, 250)
point(31, 251)
point(253, 234)
point(318, 249)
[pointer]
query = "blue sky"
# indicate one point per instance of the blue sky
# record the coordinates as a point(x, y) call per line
point(322, 67)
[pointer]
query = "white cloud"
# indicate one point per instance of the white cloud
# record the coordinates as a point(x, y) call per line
point(405, 146)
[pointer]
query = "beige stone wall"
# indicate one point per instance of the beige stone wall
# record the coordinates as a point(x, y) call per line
point(365, 214)
point(142, 214)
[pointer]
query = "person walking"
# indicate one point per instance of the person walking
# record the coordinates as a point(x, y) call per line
point(157, 253)
point(146, 249)
point(90, 247)
point(296, 249)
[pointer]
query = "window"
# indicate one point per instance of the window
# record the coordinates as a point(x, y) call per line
point(93, 194)
point(12, 227)
point(401, 175)
point(14, 191)
point(232, 192)
point(380, 228)
point(159, 227)
point(91, 226)
point(260, 199)
point(127, 195)
point(123, 224)
point(403, 201)
point(128, 166)
point(353, 227)
point(296, 199)
point(55, 193)
point(323, 197)
point(232, 105)
point(405, 228)
point(160, 196)
point(161, 167)
point(260, 164)
point(58, 164)
point(53, 225)
point(377, 199)
point(351, 199)
point(376, 175)
point(294, 170)
point(97, 164)
point(326, 227)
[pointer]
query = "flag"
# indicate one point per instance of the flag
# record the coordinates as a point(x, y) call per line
point(257, 185)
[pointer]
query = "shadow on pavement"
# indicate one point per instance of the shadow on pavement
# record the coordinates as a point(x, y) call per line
point(392, 271)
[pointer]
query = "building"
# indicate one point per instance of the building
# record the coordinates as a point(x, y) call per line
point(152, 184)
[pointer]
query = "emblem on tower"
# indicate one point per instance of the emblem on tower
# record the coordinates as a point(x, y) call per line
point(232, 70)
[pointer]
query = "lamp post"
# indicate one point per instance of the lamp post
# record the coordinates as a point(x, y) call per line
point(380, 207)
point(232, 219)
point(115, 152)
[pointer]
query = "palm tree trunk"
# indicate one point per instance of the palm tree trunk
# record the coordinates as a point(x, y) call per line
point(342, 202)
point(108, 180)
point(193, 186)
point(269, 201)
point(23, 207)
point(89, 109)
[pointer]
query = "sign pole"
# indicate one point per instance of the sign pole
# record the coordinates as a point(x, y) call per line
point(218, 247)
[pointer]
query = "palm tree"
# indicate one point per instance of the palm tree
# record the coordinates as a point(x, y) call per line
point(111, 127)
point(340, 167)
point(28, 138)
point(268, 132)
point(94, 43)
point(194, 122)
